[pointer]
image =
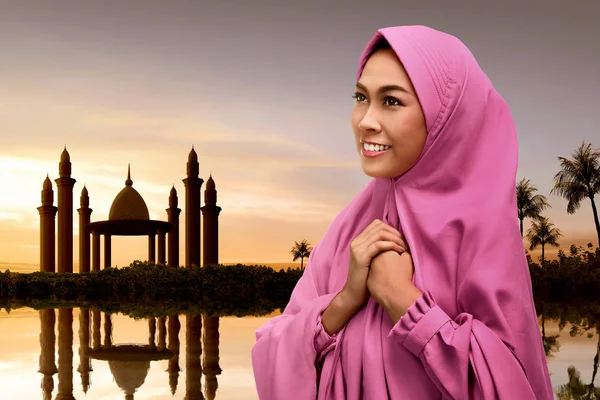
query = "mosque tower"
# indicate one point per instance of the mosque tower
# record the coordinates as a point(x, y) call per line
point(193, 185)
point(47, 347)
point(210, 335)
point(85, 213)
point(47, 223)
point(210, 217)
point(65, 354)
point(65, 213)
point(85, 365)
point(173, 236)
point(173, 328)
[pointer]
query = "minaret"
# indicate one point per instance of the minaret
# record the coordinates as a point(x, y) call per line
point(65, 213)
point(210, 217)
point(193, 354)
point(65, 354)
point(85, 365)
point(173, 235)
point(193, 185)
point(210, 361)
point(47, 223)
point(85, 213)
point(210, 335)
point(47, 345)
point(173, 327)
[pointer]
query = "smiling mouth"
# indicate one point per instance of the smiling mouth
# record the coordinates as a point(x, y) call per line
point(375, 147)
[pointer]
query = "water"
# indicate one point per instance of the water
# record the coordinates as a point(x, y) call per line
point(193, 357)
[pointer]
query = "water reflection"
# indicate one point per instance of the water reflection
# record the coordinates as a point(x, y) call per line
point(188, 345)
point(129, 363)
point(47, 343)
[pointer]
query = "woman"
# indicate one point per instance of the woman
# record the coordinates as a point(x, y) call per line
point(420, 288)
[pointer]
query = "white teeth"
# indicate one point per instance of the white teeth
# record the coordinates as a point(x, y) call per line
point(375, 147)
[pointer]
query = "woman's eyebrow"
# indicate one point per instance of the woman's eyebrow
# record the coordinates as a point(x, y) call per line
point(383, 89)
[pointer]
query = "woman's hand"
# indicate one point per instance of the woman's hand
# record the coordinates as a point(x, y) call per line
point(390, 283)
point(378, 237)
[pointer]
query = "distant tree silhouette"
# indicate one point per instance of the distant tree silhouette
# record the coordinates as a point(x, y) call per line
point(579, 178)
point(576, 389)
point(301, 251)
point(542, 233)
point(529, 204)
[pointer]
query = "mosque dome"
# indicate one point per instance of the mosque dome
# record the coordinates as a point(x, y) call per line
point(129, 204)
point(129, 375)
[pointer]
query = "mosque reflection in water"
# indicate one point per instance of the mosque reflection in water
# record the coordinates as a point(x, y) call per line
point(128, 363)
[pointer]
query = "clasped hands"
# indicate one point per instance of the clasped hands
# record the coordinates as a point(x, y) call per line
point(381, 266)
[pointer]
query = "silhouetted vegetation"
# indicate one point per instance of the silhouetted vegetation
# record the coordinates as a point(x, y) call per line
point(529, 204)
point(578, 179)
point(301, 251)
point(241, 287)
point(569, 277)
point(150, 288)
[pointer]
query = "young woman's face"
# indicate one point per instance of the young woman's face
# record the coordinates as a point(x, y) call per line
point(387, 113)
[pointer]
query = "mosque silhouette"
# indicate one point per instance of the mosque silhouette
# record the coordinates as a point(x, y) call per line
point(128, 363)
point(128, 216)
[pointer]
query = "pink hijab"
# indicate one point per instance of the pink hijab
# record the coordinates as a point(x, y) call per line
point(474, 333)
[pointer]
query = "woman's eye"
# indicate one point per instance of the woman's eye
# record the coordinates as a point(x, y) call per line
point(359, 97)
point(391, 101)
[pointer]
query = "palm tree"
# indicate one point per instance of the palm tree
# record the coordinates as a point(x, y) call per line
point(542, 233)
point(301, 251)
point(579, 178)
point(529, 205)
point(575, 389)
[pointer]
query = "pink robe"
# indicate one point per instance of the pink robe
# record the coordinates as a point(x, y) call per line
point(474, 333)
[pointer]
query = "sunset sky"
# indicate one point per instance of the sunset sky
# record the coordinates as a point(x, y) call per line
point(263, 91)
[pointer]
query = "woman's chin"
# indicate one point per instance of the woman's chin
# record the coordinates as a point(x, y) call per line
point(377, 172)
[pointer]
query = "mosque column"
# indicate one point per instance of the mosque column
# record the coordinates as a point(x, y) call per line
point(84, 236)
point(95, 251)
point(152, 332)
point(47, 225)
point(193, 185)
point(162, 333)
point(107, 330)
point(162, 259)
point(173, 235)
point(152, 248)
point(107, 250)
point(96, 329)
point(65, 213)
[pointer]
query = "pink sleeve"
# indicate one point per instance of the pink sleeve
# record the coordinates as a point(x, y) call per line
point(289, 346)
point(465, 357)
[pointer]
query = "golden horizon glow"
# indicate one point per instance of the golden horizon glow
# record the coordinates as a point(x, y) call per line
point(258, 222)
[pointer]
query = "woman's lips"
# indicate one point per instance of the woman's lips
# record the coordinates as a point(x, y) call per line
point(368, 153)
